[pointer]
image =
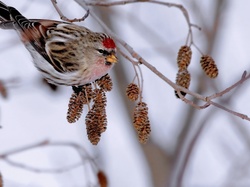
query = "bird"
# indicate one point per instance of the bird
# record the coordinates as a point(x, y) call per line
point(65, 53)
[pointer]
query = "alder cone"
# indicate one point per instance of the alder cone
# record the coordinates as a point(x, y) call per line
point(105, 83)
point(96, 119)
point(3, 90)
point(102, 179)
point(141, 122)
point(209, 67)
point(75, 107)
point(92, 126)
point(183, 78)
point(184, 57)
point(1, 180)
point(81, 95)
point(132, 92)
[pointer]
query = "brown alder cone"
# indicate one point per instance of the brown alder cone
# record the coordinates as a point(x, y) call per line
point(3, 90)
point(183, 78)
point(1, 180)
point(75, 107)
point(96, 119)
point(93, 131)
point(209, 67)
point(184, 57)
point(102, 179)
point(132, 92)
point(141, 121)
point(81, 95)
point(105, 83)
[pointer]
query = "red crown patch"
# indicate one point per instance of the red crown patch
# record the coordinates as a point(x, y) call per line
point(109, 43)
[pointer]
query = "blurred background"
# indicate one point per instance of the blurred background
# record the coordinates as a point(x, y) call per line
point(187, 147)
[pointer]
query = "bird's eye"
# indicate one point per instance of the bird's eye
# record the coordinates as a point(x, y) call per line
point(100, 51)
point(104, 52)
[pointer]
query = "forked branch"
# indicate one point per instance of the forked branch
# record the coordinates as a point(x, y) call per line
point(137, 59)
point(64, 18)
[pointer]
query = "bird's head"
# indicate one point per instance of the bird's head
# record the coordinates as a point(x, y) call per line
point(106, 49)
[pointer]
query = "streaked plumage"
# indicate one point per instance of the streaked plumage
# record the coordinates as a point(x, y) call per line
point(65, 53)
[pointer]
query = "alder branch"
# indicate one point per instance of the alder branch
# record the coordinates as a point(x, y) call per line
point(79, 149)
point(40, 170)
point(64, 18)
point(140, 60)
point(244, 77)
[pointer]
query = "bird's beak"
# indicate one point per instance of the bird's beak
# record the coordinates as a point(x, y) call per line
point(112, 59)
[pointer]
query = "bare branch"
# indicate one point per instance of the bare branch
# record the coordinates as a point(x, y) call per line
point(15, 151)
point(243, 116)
point(244, 77)
point(63, 17)
point(40, 170)
point(80, 150)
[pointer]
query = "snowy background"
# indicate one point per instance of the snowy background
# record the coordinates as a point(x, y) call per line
point(220, 157)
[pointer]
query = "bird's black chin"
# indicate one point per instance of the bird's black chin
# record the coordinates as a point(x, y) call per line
point(108, 63)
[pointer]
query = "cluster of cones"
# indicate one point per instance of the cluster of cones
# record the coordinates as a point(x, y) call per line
point(140, 115)
point(94, 96)
point(183, 77)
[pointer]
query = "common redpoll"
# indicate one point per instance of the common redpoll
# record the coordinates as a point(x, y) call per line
point(65, 53)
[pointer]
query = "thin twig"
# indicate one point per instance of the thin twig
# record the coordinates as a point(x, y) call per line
point(207, 104)
point(40, 170)
point(81, 151)
point(244, 77)
point(243, 116)
point(64, 18)
point(18, 150)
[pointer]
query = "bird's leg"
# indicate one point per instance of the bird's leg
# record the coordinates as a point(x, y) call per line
point(77, 89)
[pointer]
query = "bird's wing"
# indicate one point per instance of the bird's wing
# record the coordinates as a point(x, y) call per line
point(35, 33)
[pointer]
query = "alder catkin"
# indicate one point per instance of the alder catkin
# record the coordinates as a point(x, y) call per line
point(93, 131)
point(3, 90)
point(102, 179)
point(1, 180)
point(96, 119)
point(183, 78)
point(81, 95)
point(141, 121)
point(209, 67)
point(75, 107)
point(132, 92)
point(184, 57)
point(105, 83)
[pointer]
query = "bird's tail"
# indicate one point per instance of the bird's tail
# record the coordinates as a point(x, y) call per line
point(4, 12)
point(5, 17)
point(10, 18)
